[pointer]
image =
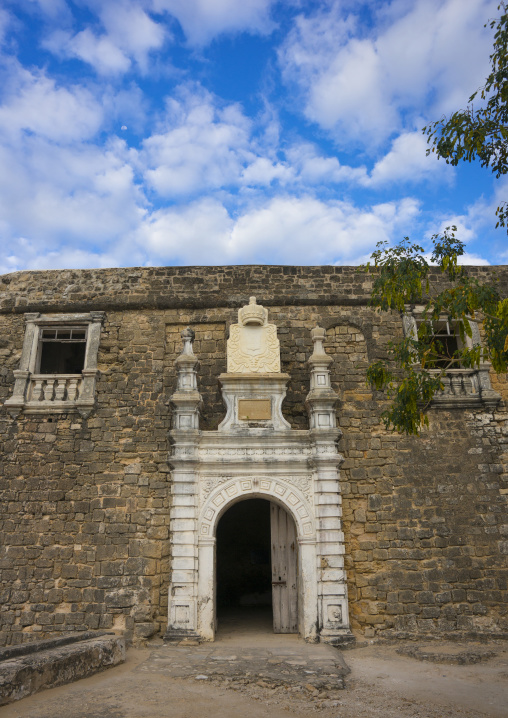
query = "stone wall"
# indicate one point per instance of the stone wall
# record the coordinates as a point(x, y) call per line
point(84, 528)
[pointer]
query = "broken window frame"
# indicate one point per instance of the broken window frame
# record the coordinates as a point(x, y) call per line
point(452, 331)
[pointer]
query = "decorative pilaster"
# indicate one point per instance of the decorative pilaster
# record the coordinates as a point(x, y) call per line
point(86, 400)
point(183, 589)
point(333, 614)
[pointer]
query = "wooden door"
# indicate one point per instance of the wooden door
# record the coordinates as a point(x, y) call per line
point(284, 571)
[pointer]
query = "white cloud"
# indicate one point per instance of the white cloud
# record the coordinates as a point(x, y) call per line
point(473, 259)
point(132, 29)
point(262, 172)
point(200, 147)
point(100, 52)
point(35, 103)
point(202, 20)
point(80, 197)
point(365, 84)
point(407, 161)
point(194, 234)
point(130, 34)
point(314, 168)
point(287, 230)
point(66, 258)
point(474, 224)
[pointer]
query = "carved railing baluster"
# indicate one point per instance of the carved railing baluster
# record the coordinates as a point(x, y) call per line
point(72, 389)
point(37, 394)
point(48, 389)
point(60, 389)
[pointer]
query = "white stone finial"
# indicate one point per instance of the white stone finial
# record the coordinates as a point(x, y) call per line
point(321, 399)
point(187, 363)
point(188, 335)
point(318, 335)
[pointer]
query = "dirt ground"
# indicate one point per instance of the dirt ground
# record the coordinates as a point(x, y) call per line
point(382, 683)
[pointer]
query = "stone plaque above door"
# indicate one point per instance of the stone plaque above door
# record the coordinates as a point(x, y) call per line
point(254, 409)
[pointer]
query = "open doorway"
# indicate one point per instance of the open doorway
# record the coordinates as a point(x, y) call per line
point(256, 568)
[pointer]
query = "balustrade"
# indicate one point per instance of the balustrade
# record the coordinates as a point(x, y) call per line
point(459, 382)
point(466, 387)
point(52, 387)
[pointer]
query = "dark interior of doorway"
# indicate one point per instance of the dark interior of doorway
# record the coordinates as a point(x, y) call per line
point(244, 579)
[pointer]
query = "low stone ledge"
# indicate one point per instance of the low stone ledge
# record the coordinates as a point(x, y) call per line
point(22, 676)
point(396, 637)
point(456, 654)
point(24, 649)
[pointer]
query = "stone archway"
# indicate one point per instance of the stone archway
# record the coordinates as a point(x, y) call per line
point(296, 504)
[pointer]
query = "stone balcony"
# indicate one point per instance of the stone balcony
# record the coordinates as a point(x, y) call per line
point(53, 393)
point(466, 388)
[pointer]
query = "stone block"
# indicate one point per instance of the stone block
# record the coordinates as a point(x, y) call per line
point(27, 674)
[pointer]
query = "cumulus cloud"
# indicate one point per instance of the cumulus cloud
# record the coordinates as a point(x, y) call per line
point(203, 182)
point(202, 20)
point(197, 233)
point(91, 199)
point(200, 146)
point(203, 145)
point(263, 171)
point(473, 224)
point(407, 161)
point(35, 103)
point(473, 259)
point(364, 85)
point(56, 185)
point(98, 51)
point(314, 168)
point(291, 230)
point(130, 34)
point(65, 258)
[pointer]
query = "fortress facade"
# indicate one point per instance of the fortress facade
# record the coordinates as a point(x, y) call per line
point(141, 408)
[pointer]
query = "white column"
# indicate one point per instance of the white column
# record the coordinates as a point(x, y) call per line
point(183, 588)
point(206, 588)
point(331, 586)
point(308, 618)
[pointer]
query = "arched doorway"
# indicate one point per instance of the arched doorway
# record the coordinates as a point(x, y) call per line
point(257, 566)
point(287, 495)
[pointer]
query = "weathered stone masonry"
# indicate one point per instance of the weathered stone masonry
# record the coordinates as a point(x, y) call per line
point(85, 501)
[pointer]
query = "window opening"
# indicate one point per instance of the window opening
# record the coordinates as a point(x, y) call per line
point(446, 343)
point(62, 350)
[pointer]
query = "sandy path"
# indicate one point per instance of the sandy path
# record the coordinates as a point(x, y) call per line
point(381, 684)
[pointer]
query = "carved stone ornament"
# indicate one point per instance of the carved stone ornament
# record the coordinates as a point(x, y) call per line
point(253, 346)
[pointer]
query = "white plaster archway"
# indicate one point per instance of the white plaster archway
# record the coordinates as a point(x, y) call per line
point(293, 499)
point(296, 499)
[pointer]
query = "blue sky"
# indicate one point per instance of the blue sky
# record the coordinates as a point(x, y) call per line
point(180, 132)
